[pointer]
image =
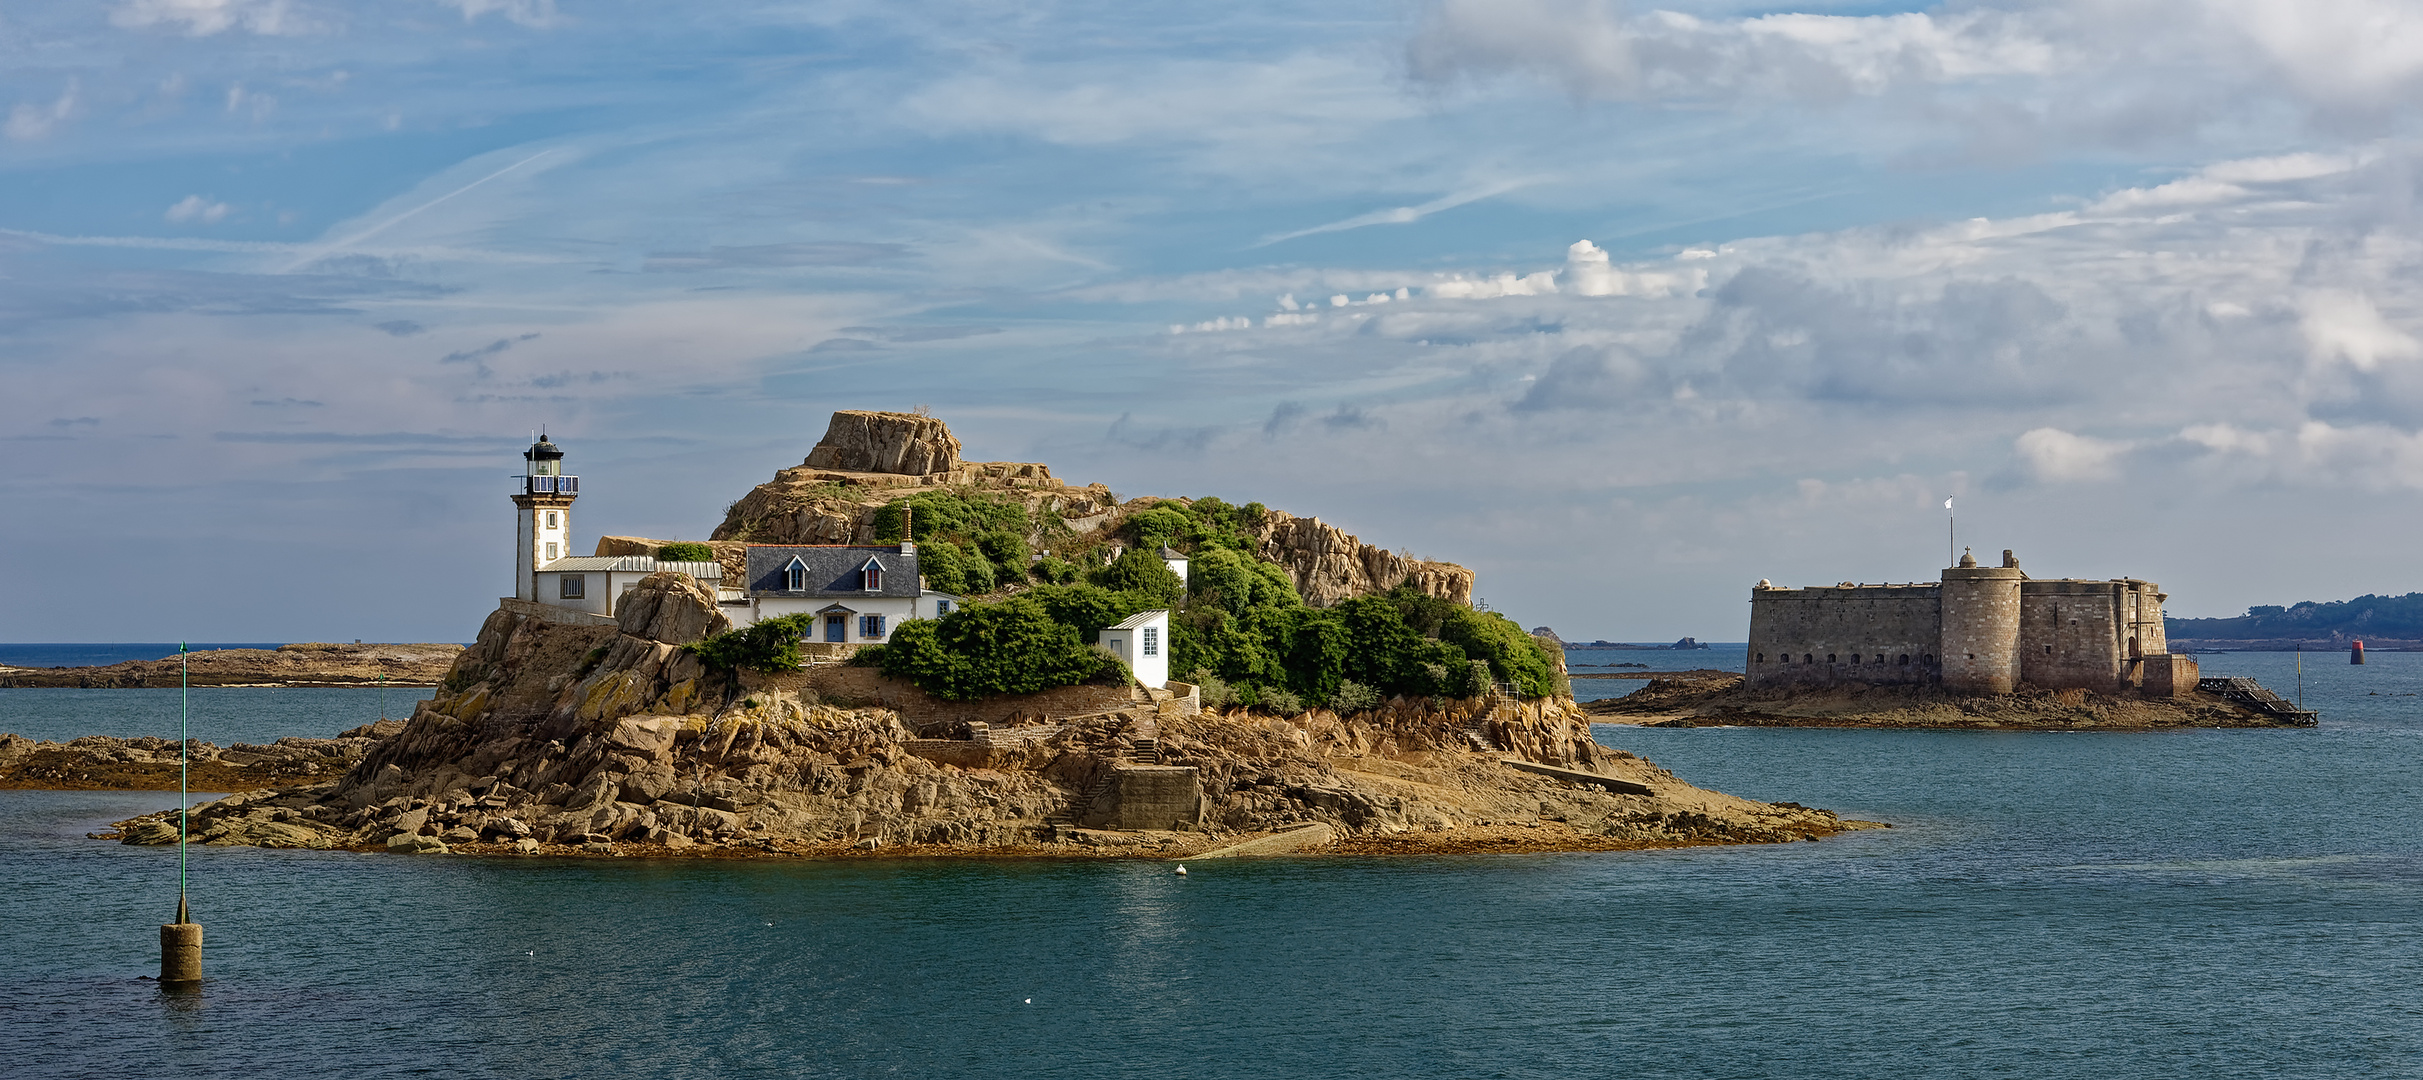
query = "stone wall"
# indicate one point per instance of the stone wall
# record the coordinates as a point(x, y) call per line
point(2071, 634)
point(2166, 675)
point(1847, 633)
point(1149, 797)
point(863, 686)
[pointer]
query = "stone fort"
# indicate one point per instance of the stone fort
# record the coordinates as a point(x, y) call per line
point(1981, 629)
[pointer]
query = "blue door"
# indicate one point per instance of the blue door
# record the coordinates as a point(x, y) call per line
point(837, 628)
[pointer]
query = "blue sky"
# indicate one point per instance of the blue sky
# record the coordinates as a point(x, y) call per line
point(1625, 307)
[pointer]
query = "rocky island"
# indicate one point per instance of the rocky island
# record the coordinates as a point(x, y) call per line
point(1722, 699)
point(565, 732)
point(305, 664)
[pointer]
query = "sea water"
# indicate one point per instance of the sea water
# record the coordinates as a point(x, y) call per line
point(214, 714)
point(2173, 904)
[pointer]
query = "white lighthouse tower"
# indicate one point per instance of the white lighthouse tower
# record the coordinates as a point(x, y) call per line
point(542, 515)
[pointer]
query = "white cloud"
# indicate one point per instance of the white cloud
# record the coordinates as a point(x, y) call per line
point(1459, 287)
point(2108, 71)
point(2343, 325)
point(2054, 454)
point(27, 121)
point(202, 18)
point(193, 208)
point(533, 13)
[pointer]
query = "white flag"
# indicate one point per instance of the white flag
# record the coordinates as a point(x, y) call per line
point(1947, 502)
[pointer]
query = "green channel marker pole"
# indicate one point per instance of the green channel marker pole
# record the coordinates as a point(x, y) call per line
point(184, 750)
point(181, 941)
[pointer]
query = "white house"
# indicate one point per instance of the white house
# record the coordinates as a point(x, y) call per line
point(596, 583)
point(859, 592)
point(1175, 560)
point(1143, 641)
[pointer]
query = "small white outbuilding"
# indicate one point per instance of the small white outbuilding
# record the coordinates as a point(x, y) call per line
point(1142, 640)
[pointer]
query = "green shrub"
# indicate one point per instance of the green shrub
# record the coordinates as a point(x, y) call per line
point(685, 551)
point(1012, 647)
point(772, 645)
point(1150, 528)
point(1212, 689)
point(950, 515)
point(1054, 570)
point(1281, 701)
point(1141, 571)
point(1353, 697)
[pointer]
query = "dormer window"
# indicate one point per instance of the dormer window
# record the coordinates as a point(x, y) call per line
point(795, 579)
point(871, 576)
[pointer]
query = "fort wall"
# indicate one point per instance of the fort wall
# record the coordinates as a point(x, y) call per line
point(1987, 630)
point(1846, 633)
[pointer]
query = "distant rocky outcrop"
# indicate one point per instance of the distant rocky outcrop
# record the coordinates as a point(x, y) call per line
point(1710, 698)
point(307, 664)
point(548, 736)
point(101, 762)
point(1329, 565)
point(881, 442)
point(860, 465)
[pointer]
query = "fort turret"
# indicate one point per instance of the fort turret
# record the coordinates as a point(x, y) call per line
point(1980, 647)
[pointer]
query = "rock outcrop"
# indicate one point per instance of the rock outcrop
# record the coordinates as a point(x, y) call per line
point(106, 763)
point(881, 442)
point(308, 664)
point(612, 739)
point(863, 461)
point(1329, 565)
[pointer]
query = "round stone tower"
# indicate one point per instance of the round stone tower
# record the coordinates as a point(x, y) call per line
point(1981, 626)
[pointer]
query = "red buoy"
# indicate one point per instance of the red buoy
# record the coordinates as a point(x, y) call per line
point(2355, 652)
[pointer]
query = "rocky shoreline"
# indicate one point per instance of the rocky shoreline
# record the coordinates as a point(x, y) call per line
point(601, 740)
point(107, 763)
point(1719, 699)
point(304, 664)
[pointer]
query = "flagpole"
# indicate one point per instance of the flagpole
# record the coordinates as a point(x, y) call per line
point(1951, 533)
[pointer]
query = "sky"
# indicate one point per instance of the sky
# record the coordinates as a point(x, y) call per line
point(1625, 307)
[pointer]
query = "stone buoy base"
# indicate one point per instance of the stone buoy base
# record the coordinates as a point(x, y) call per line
point(180, 953)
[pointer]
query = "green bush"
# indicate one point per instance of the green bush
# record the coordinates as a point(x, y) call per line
point(1280, 701)
point(1012, 647)
point(1212, 689)
point(1353, 697)
point(685, 551)
point(952, 569)
point(1143, 572)
point(1150, 528)
point(772, 645)
point(1054, 570)
point(950, 515)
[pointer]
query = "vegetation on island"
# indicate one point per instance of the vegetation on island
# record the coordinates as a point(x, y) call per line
point(1238, 627)
point(685, 551)
point(2367, 615)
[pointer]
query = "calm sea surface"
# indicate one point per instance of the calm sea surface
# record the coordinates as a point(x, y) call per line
point(2185, 904)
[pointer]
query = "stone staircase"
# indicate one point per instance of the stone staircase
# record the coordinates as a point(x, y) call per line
point(1144, 749)
point(2251, 694)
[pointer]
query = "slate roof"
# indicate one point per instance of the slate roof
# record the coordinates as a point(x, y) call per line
point(632, 564)
point(832, 570)
point(1141, 618)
